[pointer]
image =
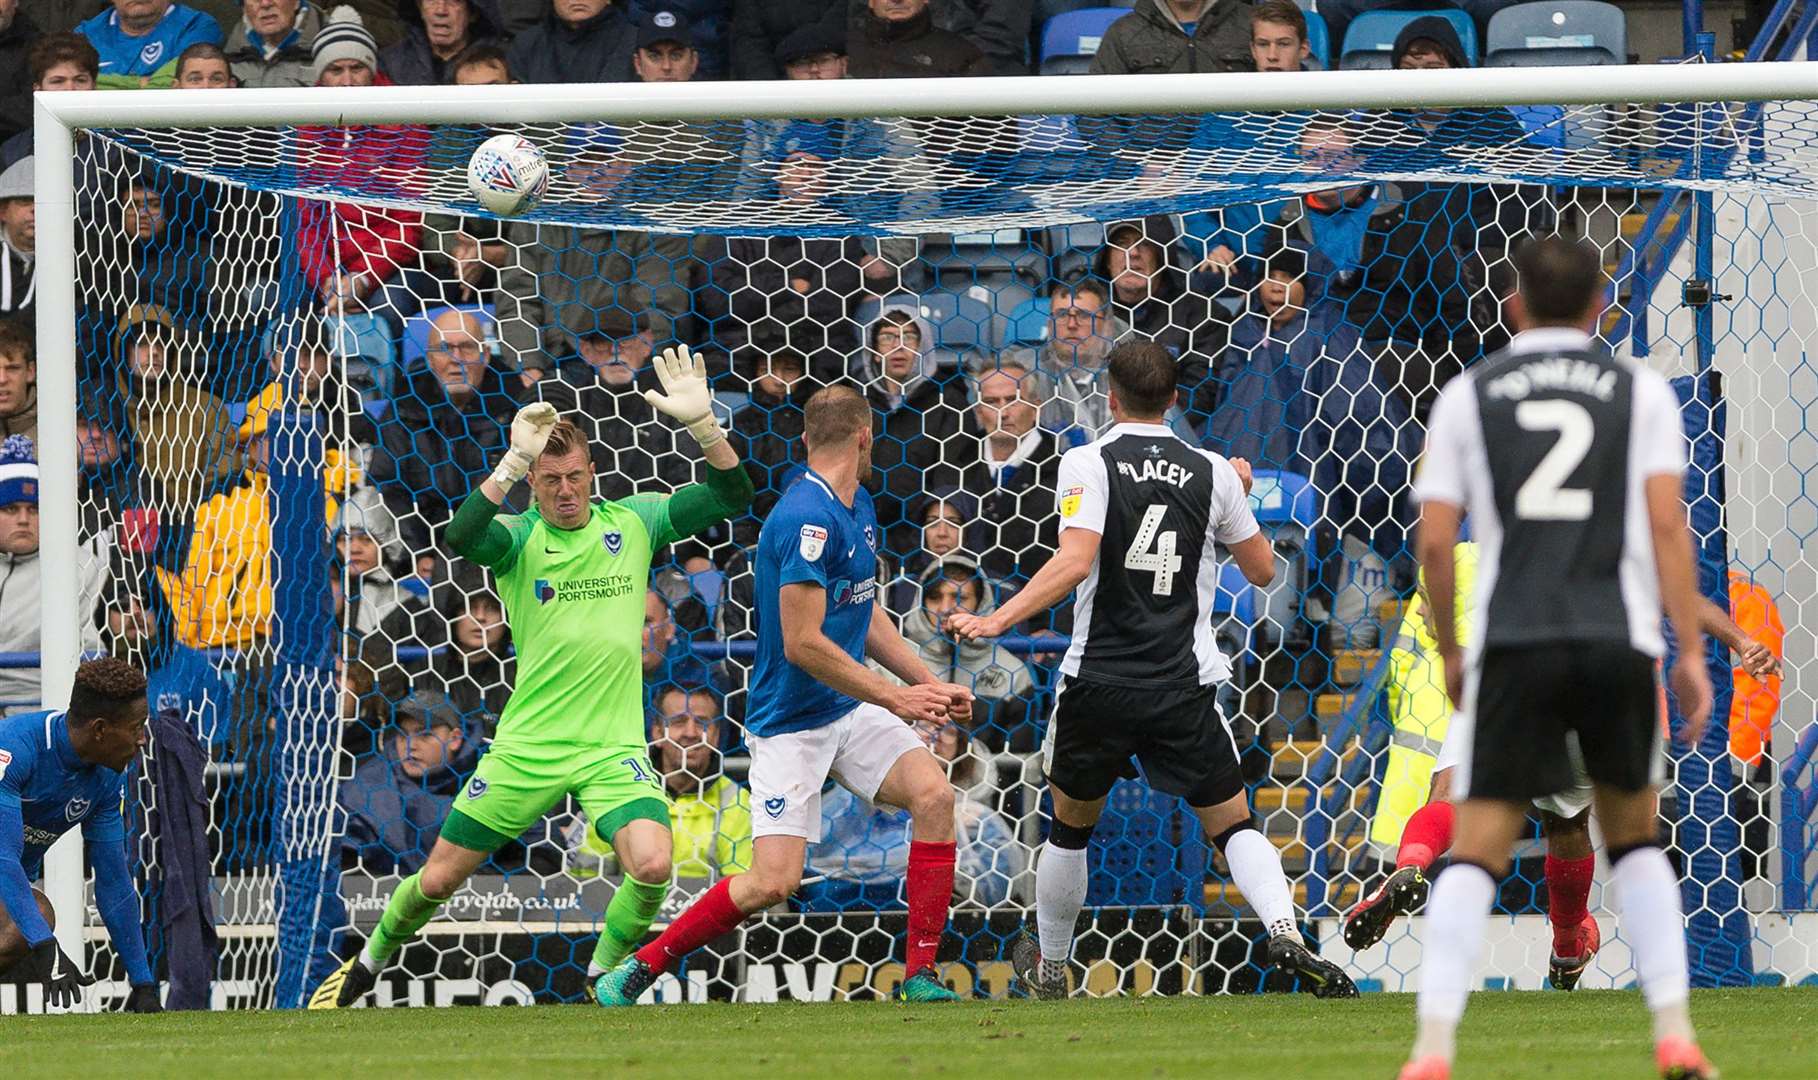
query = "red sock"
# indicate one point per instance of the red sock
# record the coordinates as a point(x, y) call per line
point(705, 919)
point(930, 889)
point(1426, 837)
point(1569, 892)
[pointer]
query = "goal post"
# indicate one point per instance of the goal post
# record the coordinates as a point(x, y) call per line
point(953, 167)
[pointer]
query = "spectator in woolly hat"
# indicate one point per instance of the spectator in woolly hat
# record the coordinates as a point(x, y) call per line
point(344, 52)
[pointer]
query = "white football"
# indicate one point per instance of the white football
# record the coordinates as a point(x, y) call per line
point(508, 175)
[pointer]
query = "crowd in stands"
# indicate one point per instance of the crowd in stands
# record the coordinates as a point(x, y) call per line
point(1311, 333)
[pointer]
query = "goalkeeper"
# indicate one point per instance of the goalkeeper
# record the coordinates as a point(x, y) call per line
point(573, 573)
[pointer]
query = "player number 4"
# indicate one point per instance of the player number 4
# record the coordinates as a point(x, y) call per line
point(1162, 561)
point(1544, 496)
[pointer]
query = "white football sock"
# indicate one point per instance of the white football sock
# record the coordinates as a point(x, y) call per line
point(369, 962)
point(1060, 889)
point(1654, 924)
point(1456, 916)
point(1256, 870)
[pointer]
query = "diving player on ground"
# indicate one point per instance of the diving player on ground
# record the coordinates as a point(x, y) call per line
point(1141, 513)
point(572, 573)
point(818, 713)
point(59, 769)
point(1571, 464)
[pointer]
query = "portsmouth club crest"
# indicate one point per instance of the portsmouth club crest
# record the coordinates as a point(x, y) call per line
point(76, 809)
point(614, 539)
point(151, 54)
point(774, 806)
point(476, 788)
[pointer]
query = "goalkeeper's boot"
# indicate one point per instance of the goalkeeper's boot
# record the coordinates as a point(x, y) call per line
point(1579, 949)
point(1432, 1067)
point(1680, 1059)
point(1026, 962)
point(347, 985)
point(1290, 954)
point(625, 984)
point(924, 986)
point(1401, 892)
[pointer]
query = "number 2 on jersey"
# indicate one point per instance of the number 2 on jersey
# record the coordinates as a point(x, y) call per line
point(1543, 496)
point(1161, 561)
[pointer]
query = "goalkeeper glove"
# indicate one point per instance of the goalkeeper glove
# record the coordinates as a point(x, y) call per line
point(529, 434)
point(63, 980)
point(685, 395)
point(143, 999)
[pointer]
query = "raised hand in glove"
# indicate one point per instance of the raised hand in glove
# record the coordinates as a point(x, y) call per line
point(685, 394)
point(143, 999)
point(63, 980)
point(529, 435)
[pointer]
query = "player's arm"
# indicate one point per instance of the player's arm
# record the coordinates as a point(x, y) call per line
point(1756, 658)
point(803, 608)
point(1060, 575)
point(886, 644)
point(1440, 522)
point(1255, 554)
point(45, 962)
point(1679, 594)
point(727, 491)
point(1441, 488)
point(476, 533)
point(118, 900)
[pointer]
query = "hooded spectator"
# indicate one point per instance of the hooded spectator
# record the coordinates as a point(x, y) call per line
point(1149, 295)
point(435, 33)
point(477, 669)
point(181, 434)
point(760, 26)
point(999, 679)
point(897, 39)
point(578, 41)
point(139, 40)
point(18, 243)
point(271, 44)
point(366, 543)
point(1177, 37)
point(919, 407)
point(17, 33)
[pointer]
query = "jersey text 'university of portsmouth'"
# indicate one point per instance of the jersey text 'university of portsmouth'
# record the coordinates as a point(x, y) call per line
point(1548, 447)
point(811, 537)
point(1143, 615)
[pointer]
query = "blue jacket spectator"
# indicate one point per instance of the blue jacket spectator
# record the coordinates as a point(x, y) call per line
point(399, 796)
point(435, 32)
point(707, 19)
point(578, 41)
point(139, 41)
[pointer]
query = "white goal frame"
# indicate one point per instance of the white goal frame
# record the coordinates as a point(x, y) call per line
point(57, 116)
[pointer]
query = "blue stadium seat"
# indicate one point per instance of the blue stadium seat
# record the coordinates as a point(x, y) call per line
point(416, 330)
point(1319, 42)
point(1029, 323)
point(1070, 41)
point(1557, 33)
point(1371, 36)
point(1049, 9)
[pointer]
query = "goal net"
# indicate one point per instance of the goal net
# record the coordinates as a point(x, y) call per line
point(279, 343)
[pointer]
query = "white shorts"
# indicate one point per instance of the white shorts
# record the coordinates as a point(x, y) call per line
point(789, 770)
point(1456, 753)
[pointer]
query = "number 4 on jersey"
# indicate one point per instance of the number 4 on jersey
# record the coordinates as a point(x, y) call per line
point(1162, 561)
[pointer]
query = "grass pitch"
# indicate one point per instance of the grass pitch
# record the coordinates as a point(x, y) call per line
point(1765, 1034)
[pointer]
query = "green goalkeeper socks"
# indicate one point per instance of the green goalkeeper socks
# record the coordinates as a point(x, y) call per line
point(628, 917)
point(404, 915)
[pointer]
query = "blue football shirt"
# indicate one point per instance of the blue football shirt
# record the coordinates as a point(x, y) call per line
point(811, 536)
point(54, 789)
point(146, 55)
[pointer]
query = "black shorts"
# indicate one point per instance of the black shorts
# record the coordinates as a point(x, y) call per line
point(1180, 737)
point(1529, 698)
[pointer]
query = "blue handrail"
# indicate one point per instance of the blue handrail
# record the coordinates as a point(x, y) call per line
point(1797, 804)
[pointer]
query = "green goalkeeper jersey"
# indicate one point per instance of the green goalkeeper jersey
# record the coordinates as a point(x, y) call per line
point(574, 599)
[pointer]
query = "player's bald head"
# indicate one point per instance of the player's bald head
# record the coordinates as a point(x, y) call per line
point(835, 416)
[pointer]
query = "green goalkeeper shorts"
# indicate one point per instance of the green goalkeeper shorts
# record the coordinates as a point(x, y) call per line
point(512, 788)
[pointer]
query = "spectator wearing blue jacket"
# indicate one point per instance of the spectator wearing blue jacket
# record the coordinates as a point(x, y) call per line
point(139, 41)
point(399, 795)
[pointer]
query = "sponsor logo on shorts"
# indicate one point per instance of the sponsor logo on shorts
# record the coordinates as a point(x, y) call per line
point(774, 806)
point(814, 541)
point(40, 837)
point(1069, 501)
point(615, 540)
point(476, 787)
point(76, 808)
point(847, 592)
point(593, 588)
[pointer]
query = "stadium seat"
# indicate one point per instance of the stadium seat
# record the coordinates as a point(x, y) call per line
point(1050, 9)
point(1287, 507)
point(1070, 41)
point(416, 330)
point(1371, 37)
point(1319, 42)
point(1029, 323)
point(1560, 33)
